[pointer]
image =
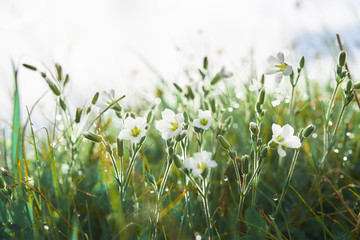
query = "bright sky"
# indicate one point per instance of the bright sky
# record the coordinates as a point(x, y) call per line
point(101, 43)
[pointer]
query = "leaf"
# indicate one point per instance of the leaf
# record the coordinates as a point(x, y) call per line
point(255, 222)
point(21, 213)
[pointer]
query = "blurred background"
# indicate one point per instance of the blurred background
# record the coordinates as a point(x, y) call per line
point(129, 45)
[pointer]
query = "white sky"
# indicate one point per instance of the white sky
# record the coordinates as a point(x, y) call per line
point(101, 42)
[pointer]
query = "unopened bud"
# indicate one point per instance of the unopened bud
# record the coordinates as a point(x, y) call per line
point(349, 86)
point(177, 161)
point(29, 67)
point(120, 147)
point(342, 58)
point(258, 108)
point(149, 116)
point(53, 87)
point(150, 178)
point(108, 148)
point(178, 87)
point(349, 98)
point(92, 136)
point(245, 164)
point(190, 93)
point(233, 154)
point(223, 142)
point(181, 136)
point(62, 104)
point(66, 80)
point(228, 121)
point(262, 97)
point(302, 62)
point(95, 98)
point(186, 117)
point(357, 85)
point(308, 130)
point(78, 114)
point(205, 63)
point(212, 105)
point(262, 79)
point(254, 129)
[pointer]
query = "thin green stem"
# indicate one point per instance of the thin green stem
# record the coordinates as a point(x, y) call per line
point(207, 210)
point(332, 141)
point(287, 181)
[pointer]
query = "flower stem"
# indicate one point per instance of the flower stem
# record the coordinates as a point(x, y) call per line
point(287, 181)
point(291, 107)
point(207, 210)
point(327, 151)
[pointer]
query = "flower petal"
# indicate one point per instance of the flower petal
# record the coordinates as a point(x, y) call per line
point(168, 115)
point(197, 172)
point(287, 131)
point(276, 129)
point(288, 70)
point(278, 77)
point(281, 152)
point(211, 164)
point(280, 56)
point(179, 118)
point(292, 142)
point(197, 123)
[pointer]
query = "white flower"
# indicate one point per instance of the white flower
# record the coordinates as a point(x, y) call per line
point(277, 66)
point(284, 137)
point(107, 99)
point(134, 129)
point(199, 163)
point(170, 125)
point(204, 120)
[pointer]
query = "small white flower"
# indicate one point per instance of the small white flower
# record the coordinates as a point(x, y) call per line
point(107, 99)
point(170, 125)
point(134, 129)
point(277, 66)
point(204, 120)
point(284, 137)
point(199, 163)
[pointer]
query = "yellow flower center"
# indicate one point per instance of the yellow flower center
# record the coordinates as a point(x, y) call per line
point(282, 67)
point(201, 166)
point(135, 131)
point(280, 138)
point(174, 126)
point(204, 121)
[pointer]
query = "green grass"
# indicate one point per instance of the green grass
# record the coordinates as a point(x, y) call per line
point(107, 188)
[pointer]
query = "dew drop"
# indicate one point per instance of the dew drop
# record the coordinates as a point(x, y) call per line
point(336, 150)
point(345, 158)
point(226, 179)
point(46, 227)
point(341, 176)
point(230, 109)
point(152, 191)
point(314, 135)
point(166, 189)
point(330, 123)
point(275, 198)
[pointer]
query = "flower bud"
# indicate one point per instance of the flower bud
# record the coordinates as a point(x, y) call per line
point(149, 116)
point(78, 114)
point(349, 86)
point(357, 85)
point(190, 93)
point(228, 121)
point(177, 161)
point(177, 87)
point(302, 62)
point(66, 80)
point(92, 136)
point(95, 98)
point(186, 117)
point(53, 87)
point(212, 105)
point(262, 80)
point(262, 96)
point(258, 108)
point(233, 154)
point(62, 104)
point(216, 79)
point(197, 130)
point(308, 130)
point(349, 98)
point(4, 172)
point(205, 63)
point(223, 142)
point(29, 67)
point(342, 58)
point(120, 147)
point(254, 129)
point(245, 164)
point(181, 136)
point(150, 178)
point(108, 148)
